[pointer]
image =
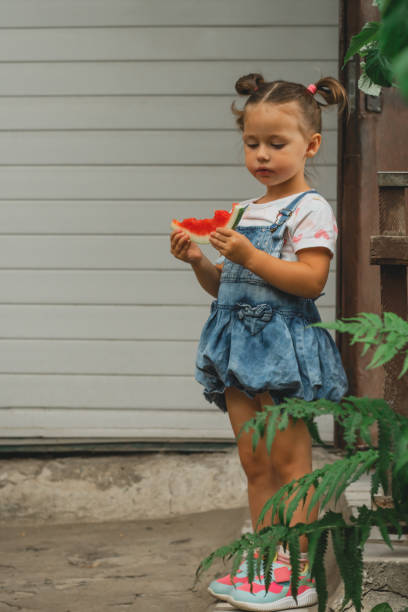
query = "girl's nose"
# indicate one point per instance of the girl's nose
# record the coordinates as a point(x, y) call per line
point(262, 153)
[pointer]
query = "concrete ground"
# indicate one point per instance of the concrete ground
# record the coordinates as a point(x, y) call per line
point(145, 565)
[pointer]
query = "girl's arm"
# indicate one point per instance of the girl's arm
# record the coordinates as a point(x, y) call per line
point(305, 277)
point(208, 274)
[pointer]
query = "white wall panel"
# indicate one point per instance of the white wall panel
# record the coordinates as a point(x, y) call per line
point(99, 322)
point(115, 118)
point(139, 358)
point(142, 182)
point(115, 112)
point(111, 287)
point(90, 252)
point(102, 217)
point(63, 13)
point(189, 147)
point(149, 44)
point(148, 78)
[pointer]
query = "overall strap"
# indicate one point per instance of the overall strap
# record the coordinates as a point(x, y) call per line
point(284, 214)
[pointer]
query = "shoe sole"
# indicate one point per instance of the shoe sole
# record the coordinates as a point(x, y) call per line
point(304, 600)
point(219, 596)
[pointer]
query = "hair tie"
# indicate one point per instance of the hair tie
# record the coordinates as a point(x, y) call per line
point(312, 88)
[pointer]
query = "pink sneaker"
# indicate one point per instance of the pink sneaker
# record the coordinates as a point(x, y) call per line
point(278, 597)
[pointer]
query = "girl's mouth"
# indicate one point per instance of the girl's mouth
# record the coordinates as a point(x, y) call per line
point(263, 171)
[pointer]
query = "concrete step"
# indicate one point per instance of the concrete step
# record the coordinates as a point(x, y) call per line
point(385, 570)
point(226, 606)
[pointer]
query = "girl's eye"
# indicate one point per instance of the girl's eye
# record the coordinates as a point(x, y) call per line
point(278, 146)
point(251, 145)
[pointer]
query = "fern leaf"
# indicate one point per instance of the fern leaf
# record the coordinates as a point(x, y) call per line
point(383, 354)
point(267, 567)
point(320, 489)
point(314, 430)
point(255, 438)
point(276, 502)
point(338, 539)
point(352, 426)
point(313, 539)
point(375, 484)
point(283, 420)
point(271, 426)
point(383, 530)
point(338, 483)
point(294, 553)
point(404, 367)
point(250, 567)
point(357, 567)
point(383, 607)
point(303, 486)
point(384, 458)
point(318, 571)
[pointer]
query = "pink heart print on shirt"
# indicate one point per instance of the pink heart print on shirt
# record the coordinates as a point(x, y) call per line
point(322, 234)
point(335, 227)
point(297, 237)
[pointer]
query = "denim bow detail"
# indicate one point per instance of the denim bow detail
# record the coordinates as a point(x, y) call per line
point(255, 318)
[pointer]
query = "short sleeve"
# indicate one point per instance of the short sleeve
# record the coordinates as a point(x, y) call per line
point(313, 225)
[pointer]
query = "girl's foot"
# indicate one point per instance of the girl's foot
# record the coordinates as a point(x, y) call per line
point(278, 597)
point(222, 588)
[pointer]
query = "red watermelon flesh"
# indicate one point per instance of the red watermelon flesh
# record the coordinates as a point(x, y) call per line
point(199, 230)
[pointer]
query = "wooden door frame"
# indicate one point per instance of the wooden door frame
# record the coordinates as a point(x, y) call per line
point(370, 140)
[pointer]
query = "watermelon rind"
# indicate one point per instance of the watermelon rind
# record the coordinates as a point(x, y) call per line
point(235, 218)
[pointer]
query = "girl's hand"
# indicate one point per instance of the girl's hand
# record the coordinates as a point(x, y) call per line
point(182, 247)
point(233, 245)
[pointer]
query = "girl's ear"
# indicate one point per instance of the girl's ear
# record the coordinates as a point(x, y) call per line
point(314, 145)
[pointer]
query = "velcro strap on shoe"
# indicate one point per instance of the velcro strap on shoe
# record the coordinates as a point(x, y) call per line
point(281, 574)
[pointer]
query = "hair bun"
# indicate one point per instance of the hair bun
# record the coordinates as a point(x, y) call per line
point(248, 84)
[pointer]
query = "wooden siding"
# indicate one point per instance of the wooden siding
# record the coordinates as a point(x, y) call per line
point(114, 118)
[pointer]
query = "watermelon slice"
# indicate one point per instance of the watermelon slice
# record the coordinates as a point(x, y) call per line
point(199, 230)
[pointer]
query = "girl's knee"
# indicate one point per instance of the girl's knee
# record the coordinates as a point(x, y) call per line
point(257, 465)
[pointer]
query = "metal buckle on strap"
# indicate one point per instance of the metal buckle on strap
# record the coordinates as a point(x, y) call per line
point(282, 213)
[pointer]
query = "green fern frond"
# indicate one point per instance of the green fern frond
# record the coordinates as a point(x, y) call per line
point(329, 482)
point(384, 531)
point(385, 607)
point(314, 432)
point(273, 415)
point(294, 553)
point(318, 571)
point(390, 334)
point(356, 566)
point(385, 445)
point(339, 544)
point(250, 566)
point(267, 567)
point(353, 534)
point(355, 415)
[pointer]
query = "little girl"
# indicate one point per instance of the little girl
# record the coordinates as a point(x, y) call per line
point(256, 348)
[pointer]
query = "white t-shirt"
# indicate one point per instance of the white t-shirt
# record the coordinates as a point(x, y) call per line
point(312, 224)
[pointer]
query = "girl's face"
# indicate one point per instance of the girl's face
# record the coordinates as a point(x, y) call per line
point(275, 147)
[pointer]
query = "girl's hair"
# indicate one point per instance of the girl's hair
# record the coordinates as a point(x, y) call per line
point(279, 92)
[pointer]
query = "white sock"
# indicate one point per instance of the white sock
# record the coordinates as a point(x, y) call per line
point(283, 557)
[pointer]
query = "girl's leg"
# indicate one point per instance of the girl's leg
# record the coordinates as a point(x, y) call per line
point(258, 466)
point(291, 456)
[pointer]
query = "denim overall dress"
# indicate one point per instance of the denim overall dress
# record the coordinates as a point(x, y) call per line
point(257, 338)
